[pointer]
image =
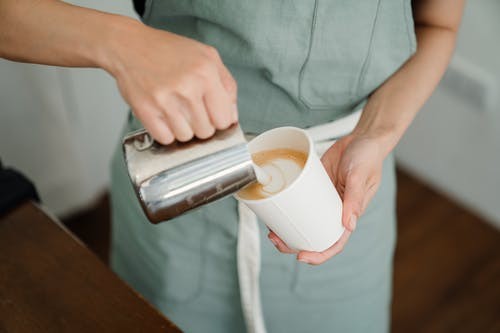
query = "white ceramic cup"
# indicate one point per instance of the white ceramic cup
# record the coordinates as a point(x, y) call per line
point(306, 215)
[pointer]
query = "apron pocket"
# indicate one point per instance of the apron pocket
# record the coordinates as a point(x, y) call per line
point(183, 257)
point(339, 49)
point(364, 264)
point(331, 281)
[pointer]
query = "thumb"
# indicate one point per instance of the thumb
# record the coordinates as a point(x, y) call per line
point(354, 194)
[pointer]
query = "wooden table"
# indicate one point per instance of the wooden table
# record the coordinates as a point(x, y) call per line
point(50, 282)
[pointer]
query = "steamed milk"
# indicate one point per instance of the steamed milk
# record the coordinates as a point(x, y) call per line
point(282, 165)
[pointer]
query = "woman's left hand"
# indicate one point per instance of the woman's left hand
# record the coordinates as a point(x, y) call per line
point(354, 164)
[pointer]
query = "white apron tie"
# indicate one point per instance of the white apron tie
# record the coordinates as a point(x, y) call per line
point(248, 248)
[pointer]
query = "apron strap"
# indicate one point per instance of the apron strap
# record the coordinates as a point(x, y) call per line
point(248, 256)
point(248, 248)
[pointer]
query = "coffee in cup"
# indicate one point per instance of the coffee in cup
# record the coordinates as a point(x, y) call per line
point(282, 165)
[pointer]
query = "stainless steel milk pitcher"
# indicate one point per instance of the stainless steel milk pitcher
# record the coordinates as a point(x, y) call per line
point(173, 179)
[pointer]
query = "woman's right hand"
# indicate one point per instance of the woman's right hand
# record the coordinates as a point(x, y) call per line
point(177, 87)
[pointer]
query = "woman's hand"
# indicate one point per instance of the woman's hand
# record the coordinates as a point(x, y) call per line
point(176, 86)
point(354, 164)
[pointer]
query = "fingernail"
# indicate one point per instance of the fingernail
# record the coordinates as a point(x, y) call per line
point(352, 222)
point(304, 260)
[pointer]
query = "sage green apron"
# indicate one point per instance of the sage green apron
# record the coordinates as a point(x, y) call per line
point(299, 63)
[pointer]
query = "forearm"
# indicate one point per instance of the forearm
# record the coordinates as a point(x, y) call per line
point(392, 107)
point(56, 33)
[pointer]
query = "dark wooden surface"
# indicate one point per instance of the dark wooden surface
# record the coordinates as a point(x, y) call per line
point(50, 282)
point(447, 265)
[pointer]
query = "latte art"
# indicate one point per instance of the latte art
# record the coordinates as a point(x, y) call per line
point(282, 166)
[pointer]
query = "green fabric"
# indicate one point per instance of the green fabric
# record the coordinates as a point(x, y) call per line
point(297, 62)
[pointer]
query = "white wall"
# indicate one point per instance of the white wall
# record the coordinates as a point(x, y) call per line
point(59, 126)
point(454, 143)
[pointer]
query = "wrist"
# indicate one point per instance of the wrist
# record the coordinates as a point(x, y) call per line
point(386, 135)
point(118, 29)
point(384, 120)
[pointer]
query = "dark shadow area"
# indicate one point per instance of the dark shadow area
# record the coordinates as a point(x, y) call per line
point(93, 227)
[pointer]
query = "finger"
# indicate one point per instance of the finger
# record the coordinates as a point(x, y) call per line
point(228, 82)
point(200, 122)
point(370, 193)
point(179, 125)
point(330, 160)
point(317, 258)
point(330, 171)
point(328, 168)
point(280, 245)
point(221, 110)
point(354, 198)
point(156, 125)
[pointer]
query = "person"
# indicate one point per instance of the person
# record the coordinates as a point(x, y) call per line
point(194, 67)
